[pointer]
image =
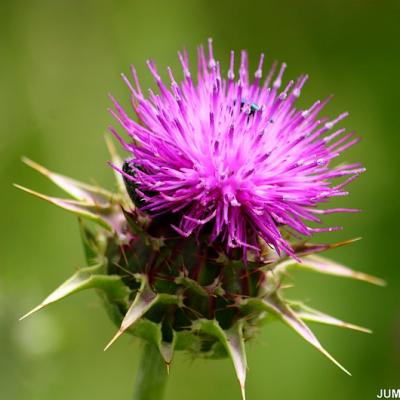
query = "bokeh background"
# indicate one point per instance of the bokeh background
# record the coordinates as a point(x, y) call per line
point(60, 58)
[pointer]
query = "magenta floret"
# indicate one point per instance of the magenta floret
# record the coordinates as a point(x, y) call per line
point(235, 154)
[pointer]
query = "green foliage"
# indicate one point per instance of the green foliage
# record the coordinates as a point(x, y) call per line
point(183, 294)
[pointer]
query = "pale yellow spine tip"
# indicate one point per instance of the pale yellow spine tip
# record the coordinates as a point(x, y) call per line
point(117, 335)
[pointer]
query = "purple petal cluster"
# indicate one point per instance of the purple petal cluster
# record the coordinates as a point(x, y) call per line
point(234, 152)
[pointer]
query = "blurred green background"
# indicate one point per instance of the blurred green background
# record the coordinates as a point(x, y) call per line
point(59, 59)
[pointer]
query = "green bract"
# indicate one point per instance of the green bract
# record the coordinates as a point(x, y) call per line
point(182, 293)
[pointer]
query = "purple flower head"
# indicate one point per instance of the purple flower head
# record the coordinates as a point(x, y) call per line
point(234, 153)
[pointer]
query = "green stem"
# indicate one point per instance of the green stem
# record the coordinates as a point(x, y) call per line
point(151, 375)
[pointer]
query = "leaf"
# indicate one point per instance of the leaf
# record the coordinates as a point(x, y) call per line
point(136, 225)
point(283, 311)
point(236, 349)
point(90, 245)
point(325, 266)
point(186, 340)
point(233, 342)
point(167, 351)
point(152, 332)
point(306, 313)
point(144, 300)
point(86, 278)
point(304, 248)
point(78, 190)
point(137, 222)
point(93, 213)
point(191, 284)
point(117, 161)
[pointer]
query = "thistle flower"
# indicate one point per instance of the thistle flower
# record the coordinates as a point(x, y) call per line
point(234, 154)
point(212, 205)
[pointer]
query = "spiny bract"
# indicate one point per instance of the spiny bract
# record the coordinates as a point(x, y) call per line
point(191, 250)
